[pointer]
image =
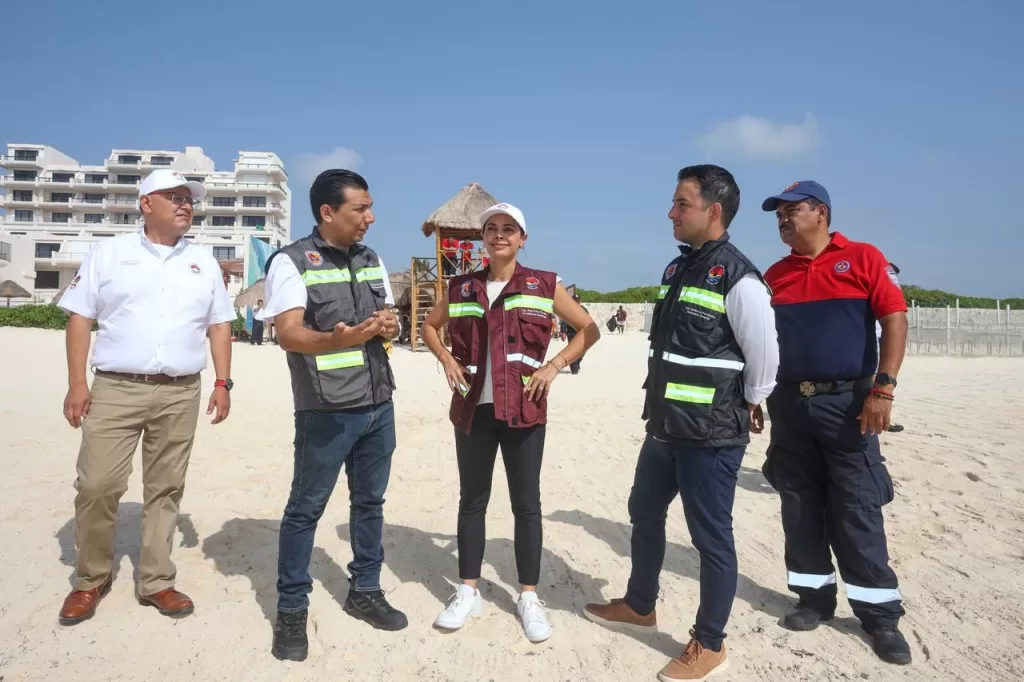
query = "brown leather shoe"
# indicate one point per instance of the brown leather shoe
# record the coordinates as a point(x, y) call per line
point(81, 604)
point(618, 614)
point(169, 602)
point(695, 663)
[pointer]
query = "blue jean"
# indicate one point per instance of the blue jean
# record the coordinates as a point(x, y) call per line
point(706, 480)
point(362, 439)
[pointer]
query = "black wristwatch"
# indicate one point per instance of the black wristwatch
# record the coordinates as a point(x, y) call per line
point(885, 380)
point(226, 383)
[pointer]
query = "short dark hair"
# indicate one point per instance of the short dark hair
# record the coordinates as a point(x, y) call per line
point(814, 204)
point(329, 188)
point(717, 186)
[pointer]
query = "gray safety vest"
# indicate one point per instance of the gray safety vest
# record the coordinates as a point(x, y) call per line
point(340, 287)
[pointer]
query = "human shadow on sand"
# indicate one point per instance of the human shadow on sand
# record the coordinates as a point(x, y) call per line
point(682, 560)
point(128, 539)
point(754, 481)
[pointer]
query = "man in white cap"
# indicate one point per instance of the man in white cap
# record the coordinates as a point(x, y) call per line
point(156, 297)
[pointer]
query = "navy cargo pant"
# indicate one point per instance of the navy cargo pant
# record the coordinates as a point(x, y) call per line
point(833, 483)
point(705, 479)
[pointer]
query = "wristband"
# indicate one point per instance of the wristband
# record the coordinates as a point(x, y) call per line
point(882, 394)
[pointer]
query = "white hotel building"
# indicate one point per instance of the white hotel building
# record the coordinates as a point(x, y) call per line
point(64, 208)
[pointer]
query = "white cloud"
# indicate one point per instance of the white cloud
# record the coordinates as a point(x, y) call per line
point(755, 137)
point(303, 168)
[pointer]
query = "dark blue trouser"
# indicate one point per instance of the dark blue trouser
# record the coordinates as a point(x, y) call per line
point(833, 484)
point(706, 479)
point(570, 334)
point(362, 439)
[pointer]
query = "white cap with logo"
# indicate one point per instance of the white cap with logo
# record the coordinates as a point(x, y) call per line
point(504, 209)
point(164, 178)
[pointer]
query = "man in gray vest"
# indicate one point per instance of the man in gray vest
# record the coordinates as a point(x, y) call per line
point(328, 296)
point(712, 360)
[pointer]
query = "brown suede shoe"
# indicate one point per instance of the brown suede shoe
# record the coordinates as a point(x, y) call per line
point(81, 604)
point(169, 602)
point(618, 614)
point(695, 663)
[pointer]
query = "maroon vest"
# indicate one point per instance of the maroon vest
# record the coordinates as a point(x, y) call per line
point(515, 332)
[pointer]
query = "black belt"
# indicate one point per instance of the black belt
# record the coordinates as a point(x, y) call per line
point(809, 388)
point(147, 378)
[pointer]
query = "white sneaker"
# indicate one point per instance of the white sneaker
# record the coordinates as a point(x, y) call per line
point(535, 621)
point(464, 603)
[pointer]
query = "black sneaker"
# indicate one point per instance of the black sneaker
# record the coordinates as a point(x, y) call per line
point(804, 618)
point(290, 643)
point(373, 608)
point(890, 645)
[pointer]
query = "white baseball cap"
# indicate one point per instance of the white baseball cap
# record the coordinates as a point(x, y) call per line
point(164, 178)
point(505, 209)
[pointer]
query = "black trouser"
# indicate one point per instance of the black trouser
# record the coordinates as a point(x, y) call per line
point(521, 450)
point(705, 479)
point(257, 333)
point(574, 366)
point(833, 483)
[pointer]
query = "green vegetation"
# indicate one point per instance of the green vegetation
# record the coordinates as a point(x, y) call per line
point(35, 316)
point(925, 298)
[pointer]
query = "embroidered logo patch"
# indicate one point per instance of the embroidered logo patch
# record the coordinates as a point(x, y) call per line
point(842, 266)
point(715, 274)
point(892, 275)
point(74, 282)
point(314, 258)
point(791, 187)
point(195, 269)
point(532, 283)
point(670, 270)
point(466, 286)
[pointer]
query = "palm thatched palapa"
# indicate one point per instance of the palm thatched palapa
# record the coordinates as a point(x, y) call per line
point(10, 289)
point(459, 215)
point(248, 296)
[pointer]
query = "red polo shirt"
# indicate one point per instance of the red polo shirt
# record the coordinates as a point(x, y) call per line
point(826, 307)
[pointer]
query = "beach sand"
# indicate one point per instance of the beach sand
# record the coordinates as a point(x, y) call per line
point(956, 537)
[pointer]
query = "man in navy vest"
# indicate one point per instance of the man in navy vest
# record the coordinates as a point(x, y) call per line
point(713, 359)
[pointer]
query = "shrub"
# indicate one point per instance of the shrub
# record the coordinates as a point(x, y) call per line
point(35, 316)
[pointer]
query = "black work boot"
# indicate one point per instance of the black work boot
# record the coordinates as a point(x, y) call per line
point(290, 643)
point(890, 645)
point(805, 617)
point(373, 608)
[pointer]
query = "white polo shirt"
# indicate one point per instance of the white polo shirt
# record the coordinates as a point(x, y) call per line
point(285, 289)
point(153, 303)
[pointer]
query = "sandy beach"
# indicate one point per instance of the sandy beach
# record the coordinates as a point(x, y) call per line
point(956, 533)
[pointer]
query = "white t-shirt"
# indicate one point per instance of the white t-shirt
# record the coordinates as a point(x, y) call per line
point(494, 290)
point(285, 289)
point(154, 304)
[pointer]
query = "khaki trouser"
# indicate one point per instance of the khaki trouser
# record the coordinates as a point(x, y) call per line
point(122, 411)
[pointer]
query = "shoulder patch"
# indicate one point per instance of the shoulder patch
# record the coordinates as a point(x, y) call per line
point(314, 258)
point(532, 283)
point(892, 275)
point(670, 270)
point(466, 288)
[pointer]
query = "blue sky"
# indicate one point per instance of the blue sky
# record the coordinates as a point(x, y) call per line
point(911, 114)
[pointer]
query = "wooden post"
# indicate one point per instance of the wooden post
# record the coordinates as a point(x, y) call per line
point(949, 331)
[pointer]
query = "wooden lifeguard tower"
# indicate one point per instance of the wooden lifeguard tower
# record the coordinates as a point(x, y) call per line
point(456, 218)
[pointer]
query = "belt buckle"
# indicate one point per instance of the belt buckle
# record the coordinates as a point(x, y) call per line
point(807, 388)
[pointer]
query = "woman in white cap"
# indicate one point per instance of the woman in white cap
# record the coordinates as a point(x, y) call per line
point(499, 321)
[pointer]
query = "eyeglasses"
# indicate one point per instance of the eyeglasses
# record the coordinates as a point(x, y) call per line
point(179, 199)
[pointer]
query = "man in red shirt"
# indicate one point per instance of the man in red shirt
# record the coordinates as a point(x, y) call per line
point(833, 397)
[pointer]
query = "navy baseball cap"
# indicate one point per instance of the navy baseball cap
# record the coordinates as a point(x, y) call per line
point(798, 191)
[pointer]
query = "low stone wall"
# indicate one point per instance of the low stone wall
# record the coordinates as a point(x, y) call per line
point(636, 313)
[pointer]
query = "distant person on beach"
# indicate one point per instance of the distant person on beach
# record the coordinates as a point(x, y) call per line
point(713, 360)
point(499, 321)
point(620, 320)
point(257, 324)
point(569, 333)
point(156, 297)
point(329, 296)
point(834, 397)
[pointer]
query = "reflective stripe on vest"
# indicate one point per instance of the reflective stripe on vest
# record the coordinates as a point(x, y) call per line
point(465, 310)
point(314, 277)
point(546, 305)
point(352, 358)
point(704, 298)
point(663, 291)
point(525, 359)
point(697, 362)
point(685, 393)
